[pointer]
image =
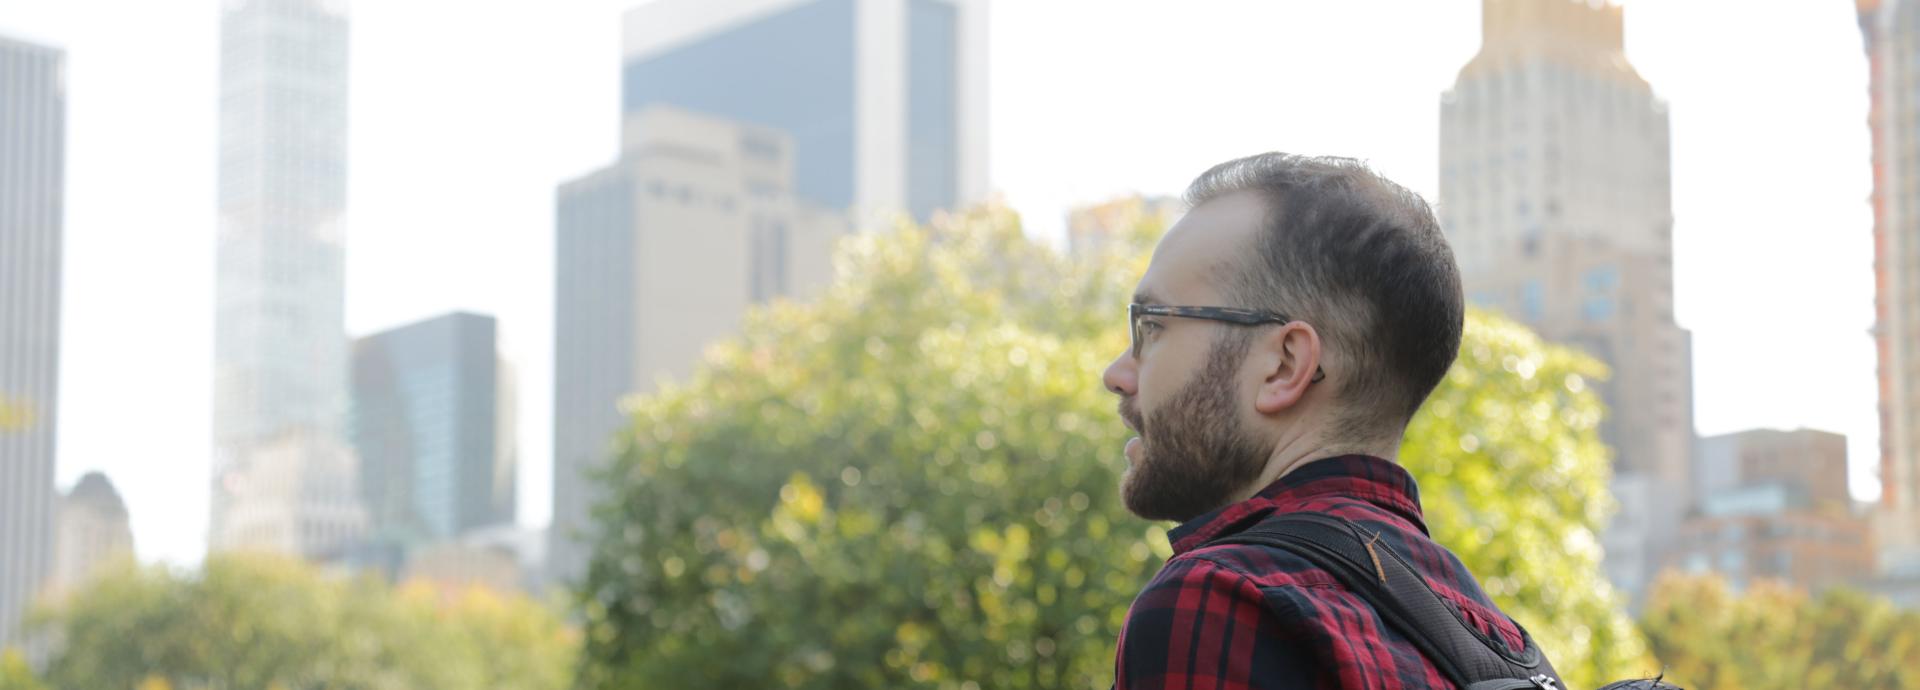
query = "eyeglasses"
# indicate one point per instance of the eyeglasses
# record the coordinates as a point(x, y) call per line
point(1239, 317)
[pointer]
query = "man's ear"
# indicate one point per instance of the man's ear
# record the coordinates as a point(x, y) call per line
point(1288, 356)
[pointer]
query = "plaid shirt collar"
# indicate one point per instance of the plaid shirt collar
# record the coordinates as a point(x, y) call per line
point(1373, 480)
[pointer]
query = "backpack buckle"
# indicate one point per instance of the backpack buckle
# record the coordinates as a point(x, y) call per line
point(1545, 682)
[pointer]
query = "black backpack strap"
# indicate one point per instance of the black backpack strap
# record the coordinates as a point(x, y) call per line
point(1379, 575)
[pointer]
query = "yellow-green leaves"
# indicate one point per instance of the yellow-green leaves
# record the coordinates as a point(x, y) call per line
point(1774, 637)
point(15, 674)
point(1513, 478)
point(261, 622)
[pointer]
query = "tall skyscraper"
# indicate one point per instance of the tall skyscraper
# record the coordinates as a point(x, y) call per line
point(434, 461)
point(886, 100)
point(280, 347)
point(1892, 33)
point(656, 256)
point(1555, 193)
point(93, 531)
point(33, 127)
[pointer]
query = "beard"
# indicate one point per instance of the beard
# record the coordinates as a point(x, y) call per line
point(1195, 453)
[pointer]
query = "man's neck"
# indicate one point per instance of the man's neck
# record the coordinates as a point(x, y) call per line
point(1298, 451)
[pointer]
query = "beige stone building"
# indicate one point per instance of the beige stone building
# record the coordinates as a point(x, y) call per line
point(1809, 464)
point(657, 256)
point(91, 534)
point(1556, 196)
point(1774, 504)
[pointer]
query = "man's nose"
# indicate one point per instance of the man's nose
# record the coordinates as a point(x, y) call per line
point(1121, 376)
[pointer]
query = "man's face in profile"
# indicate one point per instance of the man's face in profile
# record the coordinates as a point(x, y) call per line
point(1182, 392)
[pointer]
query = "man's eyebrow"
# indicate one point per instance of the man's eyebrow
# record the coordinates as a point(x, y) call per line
point(1144, 297)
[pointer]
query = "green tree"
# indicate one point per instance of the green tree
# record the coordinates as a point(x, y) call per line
point(14, 673)
point(1775, 636)
point(1513, 478)
point(911, 482)
point(247, 621)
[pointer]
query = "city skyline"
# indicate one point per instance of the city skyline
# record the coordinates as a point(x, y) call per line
point(1050, 153)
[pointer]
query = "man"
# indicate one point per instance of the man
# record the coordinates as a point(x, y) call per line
point(1285, 332)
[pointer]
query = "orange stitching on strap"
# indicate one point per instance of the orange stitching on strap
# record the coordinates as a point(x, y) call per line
point(1376, 558)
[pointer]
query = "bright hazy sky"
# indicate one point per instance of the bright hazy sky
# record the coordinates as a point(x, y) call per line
point(465, 115)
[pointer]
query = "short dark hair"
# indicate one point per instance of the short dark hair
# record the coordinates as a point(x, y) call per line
point(1361, 259)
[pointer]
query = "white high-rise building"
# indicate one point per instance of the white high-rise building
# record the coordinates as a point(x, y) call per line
point(280, 347)
point(33, 116)
point(1555, 193)
point(657, 256)
point(1892, 33)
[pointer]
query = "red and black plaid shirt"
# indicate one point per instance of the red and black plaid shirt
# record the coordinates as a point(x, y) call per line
point(1242, 616)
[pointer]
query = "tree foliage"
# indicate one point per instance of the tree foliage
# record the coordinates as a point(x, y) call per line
point(1513, 478)
point(14, 673)
point(249, 621)
point(911, 482)
point(1774, 636)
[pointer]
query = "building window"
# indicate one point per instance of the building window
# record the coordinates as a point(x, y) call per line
point(1602, 279)
point(1533, 300)
point(760, 147)
point(1698, 563)
point(1597, 308)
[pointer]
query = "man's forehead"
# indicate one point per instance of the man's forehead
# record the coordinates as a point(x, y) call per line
point(1206, 238)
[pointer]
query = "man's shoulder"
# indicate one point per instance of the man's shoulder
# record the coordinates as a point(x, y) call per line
point(1263, 566)
point(1291, 586)
point(1268, 566)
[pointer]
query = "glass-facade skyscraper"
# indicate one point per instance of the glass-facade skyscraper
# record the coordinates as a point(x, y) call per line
point(425, 422)
point(280, 347)
point(33, 115)
point(885, 99)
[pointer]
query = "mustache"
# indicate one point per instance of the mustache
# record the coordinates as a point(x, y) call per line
point(1130, 413)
